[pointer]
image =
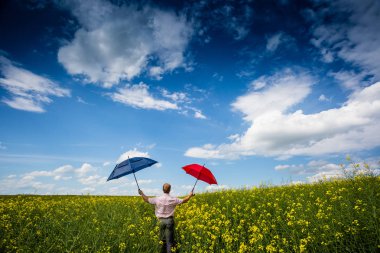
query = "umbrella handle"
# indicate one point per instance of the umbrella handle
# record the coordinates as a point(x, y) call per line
point(138, 187)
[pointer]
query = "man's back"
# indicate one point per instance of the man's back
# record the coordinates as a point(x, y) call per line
point(165, 205)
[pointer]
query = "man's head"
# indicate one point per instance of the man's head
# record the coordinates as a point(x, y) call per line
point(166, 188)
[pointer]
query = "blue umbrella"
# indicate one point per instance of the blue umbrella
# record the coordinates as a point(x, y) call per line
point(131, 165)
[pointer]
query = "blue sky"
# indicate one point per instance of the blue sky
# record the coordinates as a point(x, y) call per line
point(262, 92)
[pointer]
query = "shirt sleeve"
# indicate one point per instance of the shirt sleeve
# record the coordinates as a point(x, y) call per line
point(152, 201)
point(179, 201)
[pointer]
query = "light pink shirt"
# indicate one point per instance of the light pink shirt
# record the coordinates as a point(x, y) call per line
point(165, 205)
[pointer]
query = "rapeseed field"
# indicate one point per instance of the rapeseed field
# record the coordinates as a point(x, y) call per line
point(332, 216)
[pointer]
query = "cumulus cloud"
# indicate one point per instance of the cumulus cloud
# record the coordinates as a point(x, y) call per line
point(65, 172)
point(120, 42)
point(132, 153)
point(138, 96)
point(351, 34)
point(57, 174)
point(277, 128)
point(29, 91)
point(84, 169)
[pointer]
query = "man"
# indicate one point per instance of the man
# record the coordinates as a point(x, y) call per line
point(164, 210)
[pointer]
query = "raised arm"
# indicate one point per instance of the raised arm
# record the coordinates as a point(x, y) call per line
point(188, 197)
point(145, 198)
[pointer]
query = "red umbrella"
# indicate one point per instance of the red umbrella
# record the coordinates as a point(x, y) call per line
point(200, 173)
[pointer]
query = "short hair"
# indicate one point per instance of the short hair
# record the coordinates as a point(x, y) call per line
point(166, 188)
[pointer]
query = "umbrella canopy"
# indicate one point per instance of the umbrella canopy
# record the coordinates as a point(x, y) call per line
point(200, 173)
point(131, 165)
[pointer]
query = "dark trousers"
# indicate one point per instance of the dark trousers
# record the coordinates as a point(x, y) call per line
point(167, 234)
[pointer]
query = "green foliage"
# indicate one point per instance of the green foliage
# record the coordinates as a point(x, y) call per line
point(334, 216)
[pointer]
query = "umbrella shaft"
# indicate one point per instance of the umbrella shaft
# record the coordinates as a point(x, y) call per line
point(197, 178)
point(195, 184)
point(138, 187)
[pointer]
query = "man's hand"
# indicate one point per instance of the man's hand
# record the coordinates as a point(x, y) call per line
point(191, 194)
point(145, 198)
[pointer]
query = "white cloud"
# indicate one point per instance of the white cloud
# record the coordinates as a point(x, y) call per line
point(93, 180)
point(233, 137)
point(138, 96)
point(41, 186)
point(313, 167)
point(296, 182)
point(351, 34)
point(276, 130)
point(325, 175)
point(274, 41)
point(187, 187)
point(281, 167)
point(156, 72)
point(132, 153)
point(59, 173)
point(258, 84)
point(323, 98)
point(120, 42)
point(83, 170)
point(144, 181)
point(216, 187)
point(87, 190)
point(29, 92)
point(65, 172)
point(13, 184)
point(316, 169)
point(349, 79)
point(285, 90)
point(175, 96)
point(152, 191)
point(199, 115)
point(84, 179)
